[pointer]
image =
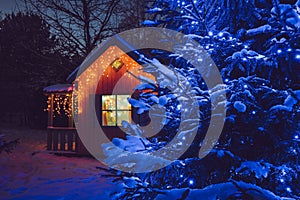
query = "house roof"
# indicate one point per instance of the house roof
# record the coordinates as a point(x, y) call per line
point(99, 50)
point(58, 88)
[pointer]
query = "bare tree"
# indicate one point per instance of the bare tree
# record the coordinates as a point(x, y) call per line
point(135, 12)
point(79, 24)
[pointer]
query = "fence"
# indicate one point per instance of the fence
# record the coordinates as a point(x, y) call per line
point(62, 139)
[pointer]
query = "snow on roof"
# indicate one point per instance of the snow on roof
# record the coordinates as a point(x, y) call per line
point(59, 88)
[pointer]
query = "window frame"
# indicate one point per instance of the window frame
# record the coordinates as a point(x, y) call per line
point(116, 110)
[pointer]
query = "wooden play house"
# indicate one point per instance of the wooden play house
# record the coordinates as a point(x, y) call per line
point(62, 135)
point(108, 76)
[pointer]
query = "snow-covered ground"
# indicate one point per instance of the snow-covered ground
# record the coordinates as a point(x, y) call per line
point(30, 172)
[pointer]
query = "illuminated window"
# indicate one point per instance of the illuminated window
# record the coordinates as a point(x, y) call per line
point(115, 109)
point(117, 64)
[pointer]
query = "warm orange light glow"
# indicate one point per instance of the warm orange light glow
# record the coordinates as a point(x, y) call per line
point(61, 104)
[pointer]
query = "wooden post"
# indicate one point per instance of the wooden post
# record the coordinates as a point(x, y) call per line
point(70, 139)
point(50, 111)
point(49, 140)
point(76, 139)
point(71, 118)
point(55, 140)
point(62, 140)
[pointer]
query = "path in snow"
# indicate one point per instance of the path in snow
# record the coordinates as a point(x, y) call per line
point(30, 172)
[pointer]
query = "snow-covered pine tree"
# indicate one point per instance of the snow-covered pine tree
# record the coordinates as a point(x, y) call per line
point(255, 44)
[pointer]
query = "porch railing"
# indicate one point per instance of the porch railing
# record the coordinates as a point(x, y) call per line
point(62, 139)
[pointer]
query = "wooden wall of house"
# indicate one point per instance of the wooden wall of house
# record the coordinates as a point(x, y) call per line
point(98, 79)
point(123, 81)
point(119, 82)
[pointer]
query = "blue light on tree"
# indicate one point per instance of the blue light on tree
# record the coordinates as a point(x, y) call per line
point(295, 151)
point(191, 182)
point(281, 180)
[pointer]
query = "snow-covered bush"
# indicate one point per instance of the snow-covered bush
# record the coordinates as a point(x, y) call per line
point(7, 146)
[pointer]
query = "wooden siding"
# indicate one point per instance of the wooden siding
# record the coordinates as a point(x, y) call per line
point(98, 79)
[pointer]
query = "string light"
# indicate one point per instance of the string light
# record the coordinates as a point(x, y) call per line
point(191, 182)
point(62, 105)
point(281, 180)
point(101, 69)
point(179, 107)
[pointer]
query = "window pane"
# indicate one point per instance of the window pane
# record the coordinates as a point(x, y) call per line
point(108, 118)
point(108, 102)
point(122, 102)
point(123, 115)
